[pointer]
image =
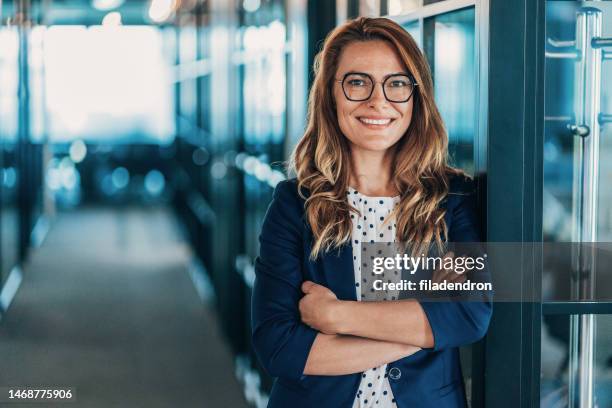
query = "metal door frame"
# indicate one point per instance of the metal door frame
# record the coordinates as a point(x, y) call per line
point(514, 193)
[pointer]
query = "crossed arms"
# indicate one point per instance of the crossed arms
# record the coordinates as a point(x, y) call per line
point(301, 328)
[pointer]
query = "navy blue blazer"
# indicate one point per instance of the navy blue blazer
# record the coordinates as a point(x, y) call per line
point(429, 378)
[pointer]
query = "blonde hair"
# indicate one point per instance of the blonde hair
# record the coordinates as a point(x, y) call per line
point(321, 159)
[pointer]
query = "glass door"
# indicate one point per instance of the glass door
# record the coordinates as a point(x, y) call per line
point(576, 353)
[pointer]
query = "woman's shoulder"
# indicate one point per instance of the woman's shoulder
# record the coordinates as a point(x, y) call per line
point(288, 190)
point(461, 190)
point(460, 183)
point(286, 195)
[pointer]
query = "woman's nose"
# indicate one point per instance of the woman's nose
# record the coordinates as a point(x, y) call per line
point(378, 96)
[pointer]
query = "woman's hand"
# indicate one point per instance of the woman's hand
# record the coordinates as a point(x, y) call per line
point(447, 275)
point(318, 307)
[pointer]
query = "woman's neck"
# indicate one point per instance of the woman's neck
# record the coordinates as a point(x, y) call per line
point(371, 173)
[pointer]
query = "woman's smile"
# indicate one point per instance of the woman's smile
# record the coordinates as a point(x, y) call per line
point(374, 122)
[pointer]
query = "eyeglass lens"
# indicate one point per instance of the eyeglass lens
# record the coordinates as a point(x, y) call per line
point(359, 87)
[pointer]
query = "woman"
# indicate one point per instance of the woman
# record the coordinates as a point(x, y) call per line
point(374, 136)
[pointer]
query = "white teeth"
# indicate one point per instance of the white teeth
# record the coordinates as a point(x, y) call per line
point(375, 121)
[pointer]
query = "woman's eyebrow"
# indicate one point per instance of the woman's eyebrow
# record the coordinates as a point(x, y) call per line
point(397, 73)
point(356, 73)
point(367, 73)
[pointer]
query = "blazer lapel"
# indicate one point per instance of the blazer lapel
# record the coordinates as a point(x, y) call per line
point(334, 269)
point(338, 270)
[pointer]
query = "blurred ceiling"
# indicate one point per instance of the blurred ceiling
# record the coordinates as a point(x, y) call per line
point(82, 12)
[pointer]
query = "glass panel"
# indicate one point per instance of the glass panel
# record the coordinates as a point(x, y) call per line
point(577, 197)
point(264, 88)
point(204, 49)
point(560, 145)
point(399, 7)
point(449, 46)
point(555, 376)
point(450, 49)
point(36, 88)
point(577, 205)
point(187, 57)
point(414, 29)
point(369, 8)
point(569, 97)
point(9, 223)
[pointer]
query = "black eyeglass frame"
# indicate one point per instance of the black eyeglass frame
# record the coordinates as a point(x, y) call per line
point(374, 83)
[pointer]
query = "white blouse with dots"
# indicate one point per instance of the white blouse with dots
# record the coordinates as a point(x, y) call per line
point(374, 389)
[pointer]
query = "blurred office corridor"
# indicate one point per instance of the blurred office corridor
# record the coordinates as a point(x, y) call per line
point(108, 309)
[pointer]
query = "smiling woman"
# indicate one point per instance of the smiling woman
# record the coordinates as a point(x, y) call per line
point(371, 166)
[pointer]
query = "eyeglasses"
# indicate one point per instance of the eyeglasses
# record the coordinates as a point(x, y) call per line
point(359, 86)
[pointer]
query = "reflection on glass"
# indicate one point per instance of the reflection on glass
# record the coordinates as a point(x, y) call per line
point(398, 7)
point(555, 375)
point(450, 49)
point(9, 224)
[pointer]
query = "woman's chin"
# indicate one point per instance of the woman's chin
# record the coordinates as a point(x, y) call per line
point(376, 143)
point(375, 147)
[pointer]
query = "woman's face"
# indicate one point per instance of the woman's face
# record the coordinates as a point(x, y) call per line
point(374, 124)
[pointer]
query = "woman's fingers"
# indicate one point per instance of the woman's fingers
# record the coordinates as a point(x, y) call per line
point(448, 273)
point(457, 277)
point(441, 273)
point(307, 286)
point(448, 260)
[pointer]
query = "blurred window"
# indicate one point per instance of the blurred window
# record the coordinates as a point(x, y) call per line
point(449, 44)
point(399, 7)
point(108, 84)
point(264, 86)
point(9, 172)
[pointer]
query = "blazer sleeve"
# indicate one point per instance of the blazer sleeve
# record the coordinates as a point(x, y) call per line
point(280, 339)
point(458, 323)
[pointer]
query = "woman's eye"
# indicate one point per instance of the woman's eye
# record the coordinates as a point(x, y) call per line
point(398, 84)
point(356, 82)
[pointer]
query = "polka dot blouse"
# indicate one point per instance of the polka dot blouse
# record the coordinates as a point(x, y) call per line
point(374, 389)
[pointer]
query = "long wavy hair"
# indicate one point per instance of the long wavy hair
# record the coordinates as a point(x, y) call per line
point(322, 161)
